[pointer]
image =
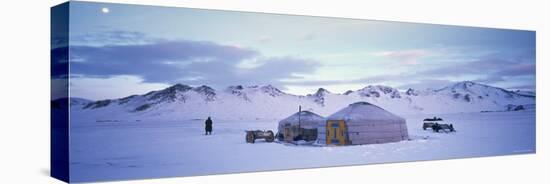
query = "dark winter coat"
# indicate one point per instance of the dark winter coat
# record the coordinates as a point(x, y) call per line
point(208, 125)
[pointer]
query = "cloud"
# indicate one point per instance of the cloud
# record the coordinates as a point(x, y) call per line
point(307, 37)
point(517, 70)
point(480, 66)
point(110, 54)
point(157, 62)
point(59, 62)
point(184, 61)
point(364, 80)
point(490, 69)
point(427, 84)
point(59, 41)
point(109, 88)
point(113, 37)
point(407, 57)
point(265, 39)
point(316, 82)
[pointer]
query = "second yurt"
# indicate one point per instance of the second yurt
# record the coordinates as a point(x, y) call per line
point(362, 123)
point(299, 126)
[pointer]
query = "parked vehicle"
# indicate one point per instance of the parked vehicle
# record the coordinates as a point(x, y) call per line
point(437, 124)
point(430, 122)
point(252, 135)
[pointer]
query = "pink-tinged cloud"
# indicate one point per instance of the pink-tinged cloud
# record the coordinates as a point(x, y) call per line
point(407, 57)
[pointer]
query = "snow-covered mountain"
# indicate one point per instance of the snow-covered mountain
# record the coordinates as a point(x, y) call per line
point(267, 102)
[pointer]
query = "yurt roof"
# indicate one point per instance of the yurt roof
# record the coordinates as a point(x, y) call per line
point(305, 117)
point(363, 111)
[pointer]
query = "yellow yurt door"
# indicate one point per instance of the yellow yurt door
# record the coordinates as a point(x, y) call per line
point(336, 132)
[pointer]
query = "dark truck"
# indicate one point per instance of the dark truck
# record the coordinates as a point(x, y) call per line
point(437, 124)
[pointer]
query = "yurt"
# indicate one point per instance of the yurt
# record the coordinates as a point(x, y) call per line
point(299, 126)
point(362, 123)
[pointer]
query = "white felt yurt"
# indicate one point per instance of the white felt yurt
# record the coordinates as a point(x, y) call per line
point(362, 123)
point(299, 126)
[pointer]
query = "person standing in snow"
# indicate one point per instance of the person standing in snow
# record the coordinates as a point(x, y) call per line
point(208, 126)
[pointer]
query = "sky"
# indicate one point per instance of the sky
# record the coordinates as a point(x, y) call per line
point(120, 50)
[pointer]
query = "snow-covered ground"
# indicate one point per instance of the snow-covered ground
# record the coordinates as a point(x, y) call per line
point(150, 149)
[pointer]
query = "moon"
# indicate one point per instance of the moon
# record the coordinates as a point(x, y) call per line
point(105, 10)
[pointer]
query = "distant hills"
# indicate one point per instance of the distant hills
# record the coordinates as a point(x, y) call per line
point(267, 102)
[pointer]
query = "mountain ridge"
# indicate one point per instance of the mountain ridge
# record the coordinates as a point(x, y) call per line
point(267, 101)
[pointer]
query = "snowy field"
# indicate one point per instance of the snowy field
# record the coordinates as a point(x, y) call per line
point(148, 149)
